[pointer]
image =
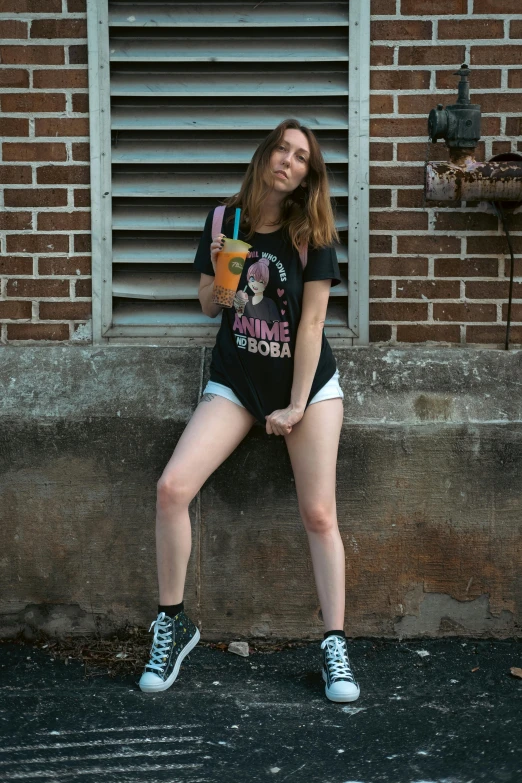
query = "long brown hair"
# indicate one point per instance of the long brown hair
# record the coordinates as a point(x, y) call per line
point(307, 212)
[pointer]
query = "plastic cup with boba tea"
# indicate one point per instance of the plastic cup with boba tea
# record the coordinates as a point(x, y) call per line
point(229, 265)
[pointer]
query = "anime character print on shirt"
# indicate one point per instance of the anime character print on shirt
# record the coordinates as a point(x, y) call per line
point(259, 324)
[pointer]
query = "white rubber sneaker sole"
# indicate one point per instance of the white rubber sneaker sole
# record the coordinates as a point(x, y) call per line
point(152, 683)
point(342, 690)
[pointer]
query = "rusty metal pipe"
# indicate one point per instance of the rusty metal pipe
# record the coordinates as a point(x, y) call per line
point(464, 179)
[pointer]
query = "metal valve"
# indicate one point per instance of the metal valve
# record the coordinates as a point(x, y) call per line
point(459, 123)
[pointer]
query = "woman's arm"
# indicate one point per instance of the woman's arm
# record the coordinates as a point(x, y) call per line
point(206, 288)
point(308, 342)
point(206, 282)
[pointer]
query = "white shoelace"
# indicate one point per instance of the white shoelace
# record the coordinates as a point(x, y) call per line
point(161, 642)
point(337, 658)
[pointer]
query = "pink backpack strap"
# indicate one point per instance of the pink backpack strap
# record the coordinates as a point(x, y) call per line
point(217, 221)
point(303, 254)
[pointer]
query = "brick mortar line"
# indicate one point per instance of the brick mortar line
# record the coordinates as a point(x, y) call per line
point(462, 232)
point(404, 116)
point(443, 67)
point(408, 164)
point(42, 16)
point(43, 67)
point(476, 42)
point(408, 139)
point(448, 91)
point(42, 90)
point(465, 324)
point(35, 319)
point(37, 277)
point(43, 139)
point(57, 300)
point(411, 300)
point(442, 41)
point(46, 41)
point(54, 232)
point(51, 115)
point(420, 279)
point(443, 323)
point(38, 164)
point(443, 17)
point(35, 211)
point(426, 321)
point(42, 211)
point(451, 256)
point(431, 42)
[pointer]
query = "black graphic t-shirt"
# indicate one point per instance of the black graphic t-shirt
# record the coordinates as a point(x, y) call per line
point(255, 345)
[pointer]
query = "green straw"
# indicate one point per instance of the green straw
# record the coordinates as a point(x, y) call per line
point(236, 223)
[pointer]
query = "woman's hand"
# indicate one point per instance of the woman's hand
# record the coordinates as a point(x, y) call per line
point(215, 248)
point(281, 422)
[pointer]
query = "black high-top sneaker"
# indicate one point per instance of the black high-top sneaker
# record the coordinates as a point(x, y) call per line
point(337, 673)
point(174, 637)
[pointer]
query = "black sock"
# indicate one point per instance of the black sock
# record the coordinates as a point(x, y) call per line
point(171, 611)
point(335, 633)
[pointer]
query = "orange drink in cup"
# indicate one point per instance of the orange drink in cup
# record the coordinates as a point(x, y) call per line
point(229, 265)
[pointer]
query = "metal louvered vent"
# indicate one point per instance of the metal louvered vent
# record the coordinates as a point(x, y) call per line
point(193, 89)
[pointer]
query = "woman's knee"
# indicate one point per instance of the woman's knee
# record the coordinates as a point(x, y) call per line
point(319, 519)
point(174, 489)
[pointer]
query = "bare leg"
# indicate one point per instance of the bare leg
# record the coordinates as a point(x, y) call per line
point(312, 446)
point(216, 428)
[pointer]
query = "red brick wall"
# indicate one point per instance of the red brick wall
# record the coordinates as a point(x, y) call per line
point(437, 273)
point(45, 265)
point(440, 273)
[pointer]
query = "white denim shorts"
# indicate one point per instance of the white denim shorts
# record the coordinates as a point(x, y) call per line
point(328, 392)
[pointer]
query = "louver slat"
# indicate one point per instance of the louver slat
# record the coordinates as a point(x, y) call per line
point(205, 152)
point(142, 249)
point(188, 313)
point(230, 15)
point(172, 218)
point(136, 249)
point(153, 184)
point(261, 84)
point(169, 285)
point(236, 50)
point(225, 116)
point(191, 84)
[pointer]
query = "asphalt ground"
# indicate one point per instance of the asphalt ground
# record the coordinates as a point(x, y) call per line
point(430, 711)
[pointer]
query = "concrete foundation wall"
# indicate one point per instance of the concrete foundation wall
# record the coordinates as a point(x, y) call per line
point(429, 497)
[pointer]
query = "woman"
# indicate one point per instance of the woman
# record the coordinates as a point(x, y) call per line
point(279, 372)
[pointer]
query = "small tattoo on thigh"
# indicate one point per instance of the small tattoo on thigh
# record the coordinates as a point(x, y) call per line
point(208, 397)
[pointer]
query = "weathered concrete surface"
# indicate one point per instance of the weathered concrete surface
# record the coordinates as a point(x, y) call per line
point(429, 496)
